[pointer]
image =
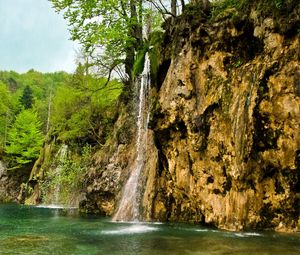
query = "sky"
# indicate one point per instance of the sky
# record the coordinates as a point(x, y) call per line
point(34, 36)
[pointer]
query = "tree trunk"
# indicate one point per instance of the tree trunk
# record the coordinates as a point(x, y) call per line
point(174, 7)
point(204, 3)
point(182, 5)
point(135, 31)
point(132, 45)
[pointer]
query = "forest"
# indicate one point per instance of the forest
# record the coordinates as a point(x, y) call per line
point(70, 107)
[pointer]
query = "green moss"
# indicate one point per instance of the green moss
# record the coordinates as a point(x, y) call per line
point(73, 168)
point(275, 8)
point(155, 41)
point(139, 61)
point(153, 47)
point(238, 63)
point(155, 112)
point(155, 61)
point(219, 8)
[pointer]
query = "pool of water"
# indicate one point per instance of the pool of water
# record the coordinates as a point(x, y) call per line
point(33, 230)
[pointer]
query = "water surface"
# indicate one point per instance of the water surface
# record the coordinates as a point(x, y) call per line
point(32, 230)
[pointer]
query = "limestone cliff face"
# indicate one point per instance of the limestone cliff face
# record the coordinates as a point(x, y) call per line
point(226, 124)
point(223, 139)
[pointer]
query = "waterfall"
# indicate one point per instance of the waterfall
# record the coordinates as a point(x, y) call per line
point(1, 166)
point(2, 169)
point(60, 158)
point(128, 209)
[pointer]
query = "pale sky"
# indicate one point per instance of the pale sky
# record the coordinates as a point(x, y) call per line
point(32, 35)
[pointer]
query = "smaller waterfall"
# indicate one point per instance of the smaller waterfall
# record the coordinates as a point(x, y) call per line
point(2, 169)
point(128, 209)
point(60, 157)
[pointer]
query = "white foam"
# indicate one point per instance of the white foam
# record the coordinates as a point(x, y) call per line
point(134, 229)
point(157, 223)
point(201, 230)
point(252, 234)
point(247, 234)
point(55, 207)
point(137, 222)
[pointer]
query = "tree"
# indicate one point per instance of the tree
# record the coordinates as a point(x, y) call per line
point(5, 105)
point(82, 109)
point(25, 138)
point(5, 99)
point(168, 8)
point(109, 30)
point(27, 98)
point(204, 3)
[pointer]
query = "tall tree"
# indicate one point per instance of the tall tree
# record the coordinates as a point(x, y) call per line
point(5, 105)
point(174, 7)
point(25, 138)
point(27, 98)
point(109, 30)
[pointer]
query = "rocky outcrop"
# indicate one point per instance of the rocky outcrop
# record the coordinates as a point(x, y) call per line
point(111, 166)
point(226, 125)
point(223, 141)
point(11, 182)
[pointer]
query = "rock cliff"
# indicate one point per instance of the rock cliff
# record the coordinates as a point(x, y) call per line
point(226, 124)
point(11, 181)
point(223, 140)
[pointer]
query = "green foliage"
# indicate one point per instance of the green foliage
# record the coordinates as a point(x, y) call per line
point(138, 66)
point(84, 108)
point(114, 26)
point(238, 63)
point(66, 176)
point(75, 169)
point(5, 105)
point(219, 7)
point(80, 107)
point(5, 99)
point(278, 4)
point(156, 39)
point(25, 138)
point(273, 8)
point(37, 84)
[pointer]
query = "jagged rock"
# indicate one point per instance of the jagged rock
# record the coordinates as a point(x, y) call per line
point(11, 181)
point(111, 166)
point(227, 130)
point(224, 145)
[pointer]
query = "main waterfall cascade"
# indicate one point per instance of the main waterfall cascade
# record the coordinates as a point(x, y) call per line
point(128, 209)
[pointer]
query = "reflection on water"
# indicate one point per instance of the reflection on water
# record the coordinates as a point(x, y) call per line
point(30, 230)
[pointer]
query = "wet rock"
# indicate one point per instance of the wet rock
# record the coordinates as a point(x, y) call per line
point(223, 148)
point(227, 131)
point(11, 182)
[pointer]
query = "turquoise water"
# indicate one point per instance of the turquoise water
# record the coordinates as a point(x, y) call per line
point(31, 230)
